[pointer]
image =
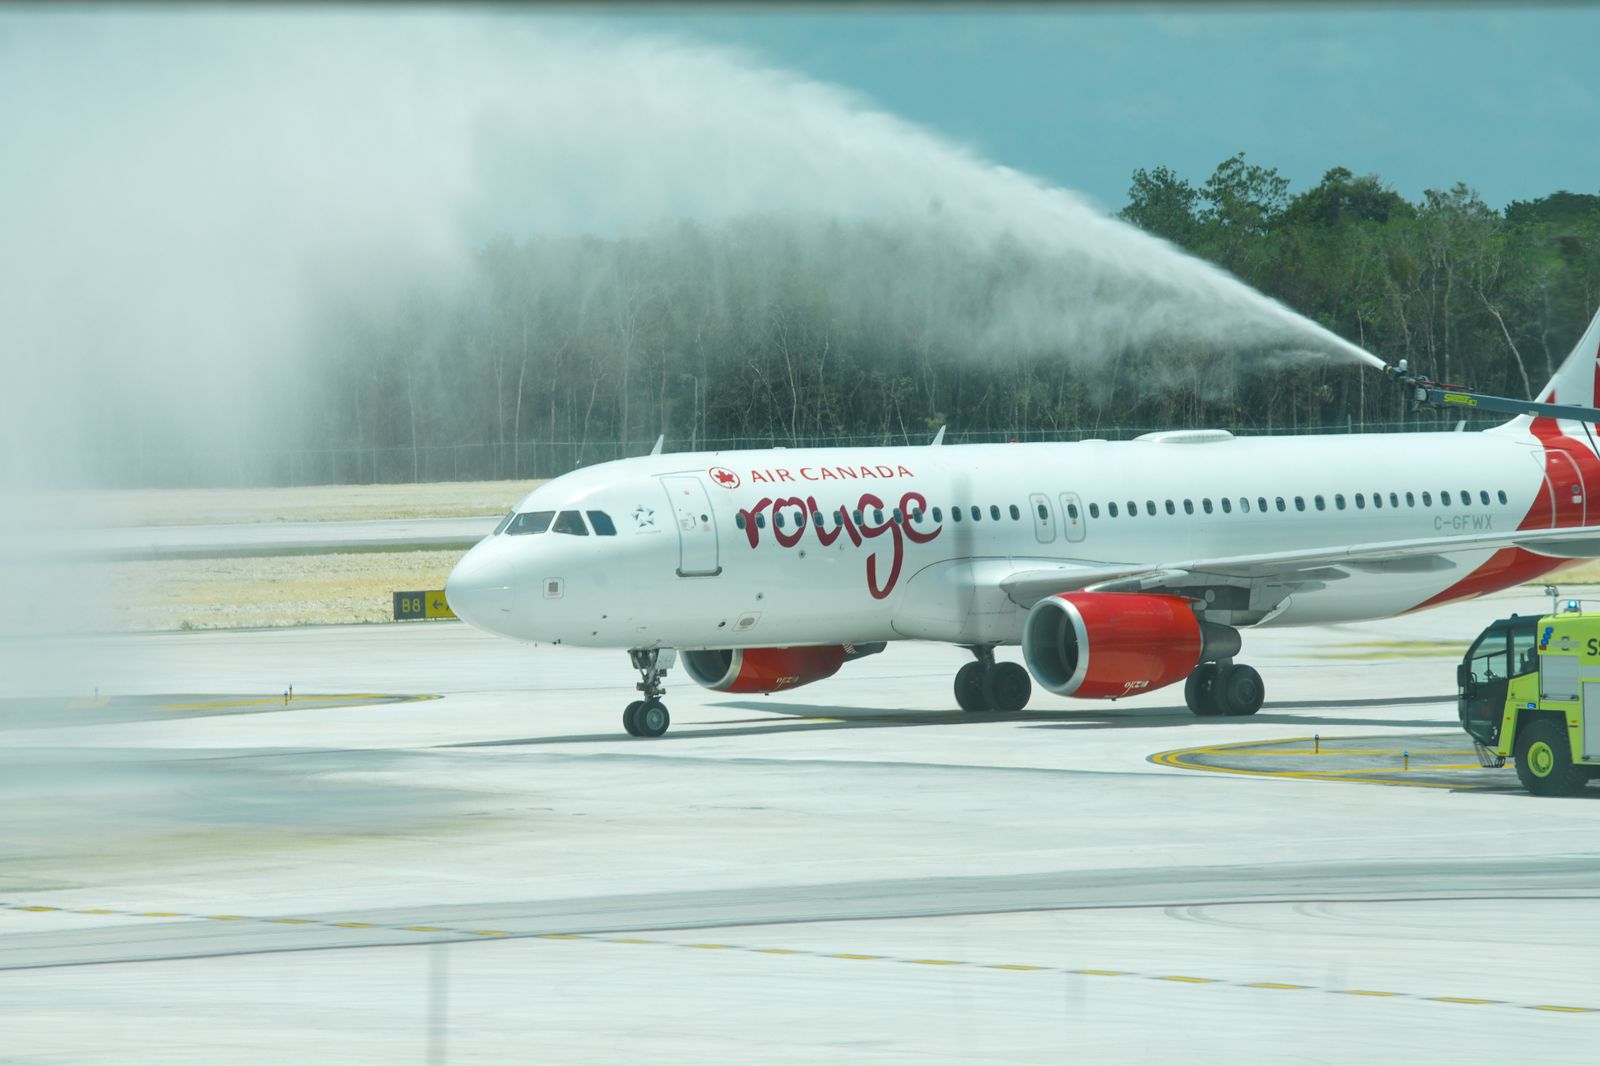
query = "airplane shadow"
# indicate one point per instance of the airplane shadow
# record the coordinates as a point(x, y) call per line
point(788, 718)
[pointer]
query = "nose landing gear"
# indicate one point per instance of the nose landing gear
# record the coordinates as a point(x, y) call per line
point(1224, 688)
point(986, 685)
point(648, 717)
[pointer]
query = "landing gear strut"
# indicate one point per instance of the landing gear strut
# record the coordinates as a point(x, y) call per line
point(648, 717)
point(986, 685)
point(1223, 688)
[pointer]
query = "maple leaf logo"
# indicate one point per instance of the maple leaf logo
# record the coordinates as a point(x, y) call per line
point(724, 477)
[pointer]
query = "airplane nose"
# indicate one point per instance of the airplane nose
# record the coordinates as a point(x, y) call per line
point(479, 589)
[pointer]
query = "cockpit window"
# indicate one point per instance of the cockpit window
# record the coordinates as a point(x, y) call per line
point(603, 526)
point(570, 522)
point(504, 522)
point(529, 522)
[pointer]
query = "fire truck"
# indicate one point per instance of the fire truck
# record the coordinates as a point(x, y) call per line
point(1530, 690)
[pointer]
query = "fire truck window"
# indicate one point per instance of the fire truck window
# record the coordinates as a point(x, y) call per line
point(571, 523)
point(530, 522)
point(1524, 651)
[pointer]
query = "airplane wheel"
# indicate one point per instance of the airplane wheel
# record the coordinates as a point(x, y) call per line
point(652, 718)
point(1006, 687)
point(1544, 759)
point(1239, 691)
point(630, 718)
point(1200, 691)
point(970, 688)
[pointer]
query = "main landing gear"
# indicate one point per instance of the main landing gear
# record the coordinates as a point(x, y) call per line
point(1223, 688)
point(648, 717)
point(986, 685)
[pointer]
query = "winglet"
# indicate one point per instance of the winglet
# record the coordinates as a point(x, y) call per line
point(938, 438)
point(659, 442)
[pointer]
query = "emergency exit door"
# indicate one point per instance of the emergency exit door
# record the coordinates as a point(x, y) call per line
point(697, 532)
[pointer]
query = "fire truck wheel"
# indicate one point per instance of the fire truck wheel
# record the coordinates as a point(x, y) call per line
point(1544, 759)
point(1200, 691)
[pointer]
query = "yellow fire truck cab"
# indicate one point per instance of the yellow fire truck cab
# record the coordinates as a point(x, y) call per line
point(1530, 690)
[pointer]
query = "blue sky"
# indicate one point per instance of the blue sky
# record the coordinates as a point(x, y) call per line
point(1504, 98)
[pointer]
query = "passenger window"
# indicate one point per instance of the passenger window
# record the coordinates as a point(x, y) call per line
point(778, 519)
point(1394, 499)
point(896, 517)
point(916, 516)
point(1502, 494)
point(1361, 502)
point(1244, 505)
point(1411, 501)
point(1466, 497)
point(857, 516)
point(938, 515)
point(1044, 515)
point(738, 520)
point(1072, 511)
point(816, 519)
point(1111, 508)
point(1205, 505)
point(1483, 495)
point(1188, 507)
point(603, 526)
point(761, 521)
point(1299, 503)
point(504, 522)
point(1444, 498)
point(1150, 507)
point(1279, 501)
point(530, 522)
point(1227, 505)
point(1171, 507)
point(1094, 510)
point(955, 513)
point(1133, 508)
point(1261, 504)
point(877, 516)
point(1016, 515)
point(1338, 500)
point(570, 522)
point(1322, 505)
point(994, 512)
point(1427, 500)
point(977, 515)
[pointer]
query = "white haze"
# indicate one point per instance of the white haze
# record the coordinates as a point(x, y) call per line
point(187, 194)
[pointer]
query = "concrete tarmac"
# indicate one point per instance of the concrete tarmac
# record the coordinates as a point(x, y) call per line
point(192, 869)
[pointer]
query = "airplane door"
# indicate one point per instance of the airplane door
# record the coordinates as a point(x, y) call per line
point(1043, 527)
point(1567, 484)
point(697, 532)
point(1072, 516)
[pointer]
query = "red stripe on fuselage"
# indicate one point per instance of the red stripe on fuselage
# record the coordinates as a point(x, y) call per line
point(1515, 566)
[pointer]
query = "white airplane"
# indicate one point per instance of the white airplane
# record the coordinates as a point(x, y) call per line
point(1118, 567)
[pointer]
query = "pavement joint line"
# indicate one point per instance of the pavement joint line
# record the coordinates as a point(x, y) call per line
point(1013, 967)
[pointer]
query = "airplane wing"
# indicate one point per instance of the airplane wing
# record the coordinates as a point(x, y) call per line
point(1293, 568)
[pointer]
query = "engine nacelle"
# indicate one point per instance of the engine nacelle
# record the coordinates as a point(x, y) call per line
point(769, 669)
point(1104, 645)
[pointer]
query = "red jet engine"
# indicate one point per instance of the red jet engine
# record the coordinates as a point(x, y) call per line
point(770, 669)
point(1104, 645)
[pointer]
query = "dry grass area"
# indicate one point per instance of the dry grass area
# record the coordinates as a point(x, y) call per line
point(274, 591)
point(312, 503)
